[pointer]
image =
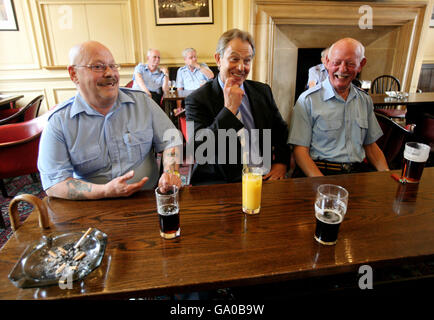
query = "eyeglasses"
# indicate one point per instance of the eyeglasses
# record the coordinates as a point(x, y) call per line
point(100, 67)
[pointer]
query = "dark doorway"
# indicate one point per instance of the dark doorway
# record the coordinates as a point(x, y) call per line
point(306, 58)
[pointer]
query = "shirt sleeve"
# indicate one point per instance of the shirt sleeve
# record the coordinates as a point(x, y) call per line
point(54, 162)
point(301, 125)
point(165, 133)
point(179, 79)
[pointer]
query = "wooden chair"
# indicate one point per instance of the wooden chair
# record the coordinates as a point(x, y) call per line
point(30, 111)
point(385, 83)
point(19, 146)
point(393, 140)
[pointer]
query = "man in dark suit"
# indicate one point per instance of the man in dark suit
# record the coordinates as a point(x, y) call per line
point(232, 103)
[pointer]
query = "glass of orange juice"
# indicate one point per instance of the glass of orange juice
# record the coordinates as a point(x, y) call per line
point(252, 189)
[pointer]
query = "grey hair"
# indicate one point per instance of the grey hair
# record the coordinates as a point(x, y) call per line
point(360, 49)
point(187, 50)
point(324, 52)
point(74, 53)
point(150, 51)
point(234, 34)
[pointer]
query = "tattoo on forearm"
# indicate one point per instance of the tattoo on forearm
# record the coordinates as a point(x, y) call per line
point(76, 189)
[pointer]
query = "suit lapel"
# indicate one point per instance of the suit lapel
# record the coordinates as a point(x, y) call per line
point(217, 101)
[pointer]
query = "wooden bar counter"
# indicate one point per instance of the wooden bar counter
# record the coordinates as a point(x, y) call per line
point(386, 223)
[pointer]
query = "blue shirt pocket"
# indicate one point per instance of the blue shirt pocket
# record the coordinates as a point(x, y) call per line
point(138, 144)
point(360, 130)
point(87, 160)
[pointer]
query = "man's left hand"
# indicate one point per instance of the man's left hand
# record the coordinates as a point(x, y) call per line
point(277, 172)
point(168, 180)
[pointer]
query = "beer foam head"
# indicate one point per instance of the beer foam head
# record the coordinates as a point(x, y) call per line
point(417, 152)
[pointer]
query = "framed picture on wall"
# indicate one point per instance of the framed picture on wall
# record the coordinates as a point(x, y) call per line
point(8, 20)
point(172, 12)
point(431, 23)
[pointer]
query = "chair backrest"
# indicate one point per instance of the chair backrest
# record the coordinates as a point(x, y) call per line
point(26, 113)
point(393, 140)
point(385, 83)
point(19, 146)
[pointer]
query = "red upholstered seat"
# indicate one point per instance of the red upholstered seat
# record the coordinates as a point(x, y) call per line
point(30, 111)
point(19, 145)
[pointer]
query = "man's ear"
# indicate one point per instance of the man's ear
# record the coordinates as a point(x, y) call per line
point(362, 63)
point(73, 74)
point(217, 59)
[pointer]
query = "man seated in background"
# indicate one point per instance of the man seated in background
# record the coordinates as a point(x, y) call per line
point(151, 78)
point(193, 74)
point(100, 143)
point(233, 103)
point(319, 72)
point(333, 125)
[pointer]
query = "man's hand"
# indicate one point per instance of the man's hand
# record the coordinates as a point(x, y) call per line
point(233, 95)
point(118, 187)
point(277, 172)
point(167, 180)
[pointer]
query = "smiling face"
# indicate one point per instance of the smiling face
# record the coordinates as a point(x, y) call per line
point(236, 61)
point(99, 89)
point(343, 63)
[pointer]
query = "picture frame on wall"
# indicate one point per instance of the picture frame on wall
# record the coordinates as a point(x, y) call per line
point(431, 22)
point(8, 19)
point(176, 12)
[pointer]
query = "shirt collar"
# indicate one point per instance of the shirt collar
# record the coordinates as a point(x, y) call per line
point(222, 85)
point(330, 91)
point(80, 105)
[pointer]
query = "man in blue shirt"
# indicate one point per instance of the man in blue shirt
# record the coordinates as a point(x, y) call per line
point(99, 143)
point(192, 75)
point(319, 72)
point(151, 78)
point(333, 125)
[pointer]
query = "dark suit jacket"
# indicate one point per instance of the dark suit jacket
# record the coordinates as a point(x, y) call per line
point(205, 106)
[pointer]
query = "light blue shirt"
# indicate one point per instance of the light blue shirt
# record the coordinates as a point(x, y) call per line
point(153, 80)
point(317, 73)
point(190, 80)
point(334, 129)
point(80, 142)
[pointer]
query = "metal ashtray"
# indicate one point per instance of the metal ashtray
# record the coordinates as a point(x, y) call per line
point(57, 257)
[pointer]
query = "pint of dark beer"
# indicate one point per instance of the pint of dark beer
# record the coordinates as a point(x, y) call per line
point(330, 208)
point(415, 156)
point(168, 212)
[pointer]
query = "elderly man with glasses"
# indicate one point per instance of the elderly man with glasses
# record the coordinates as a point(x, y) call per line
point(101, 142)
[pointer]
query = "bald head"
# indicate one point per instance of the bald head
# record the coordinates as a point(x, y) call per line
point(98, 86)
point(344, 61)
point(81, 52)
point(349, 44)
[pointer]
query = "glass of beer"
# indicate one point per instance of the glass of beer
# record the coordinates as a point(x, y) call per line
point(252, 189)
point(168, 212)
point(330, 208)
point(415, 156)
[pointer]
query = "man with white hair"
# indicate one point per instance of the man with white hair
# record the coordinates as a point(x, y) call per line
point(101, 143)
point(151, 78)
point(319, 72)
point(333, 125)
point(193, 74)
